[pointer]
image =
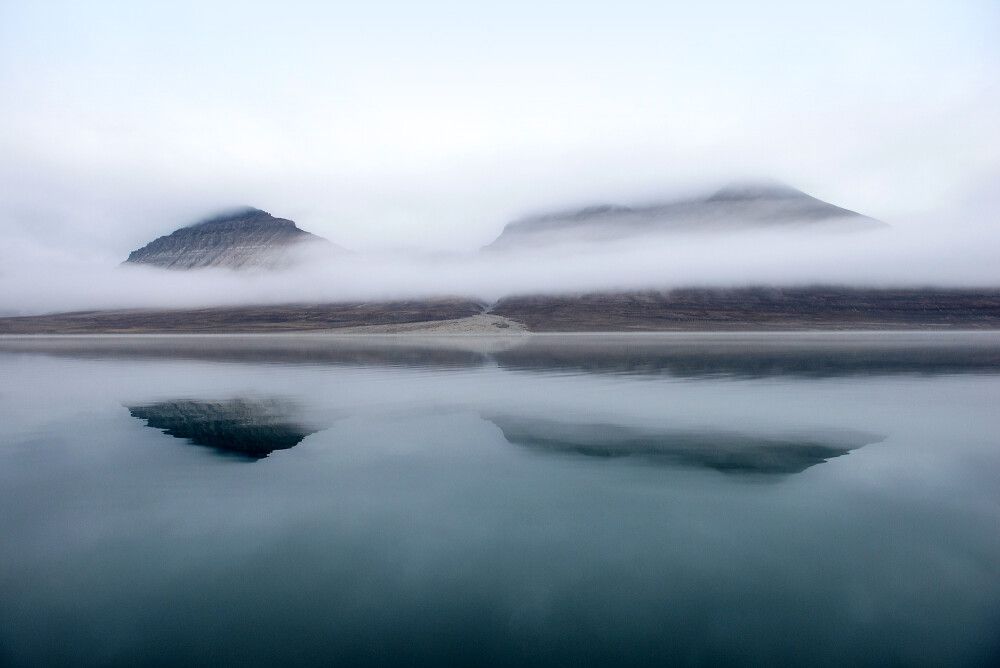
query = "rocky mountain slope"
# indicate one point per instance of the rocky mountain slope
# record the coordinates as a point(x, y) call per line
point(242, 238)
point(736, 207)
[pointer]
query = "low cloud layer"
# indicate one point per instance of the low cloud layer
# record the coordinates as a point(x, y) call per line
point(40, 279)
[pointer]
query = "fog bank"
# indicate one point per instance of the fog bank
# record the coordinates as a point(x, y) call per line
point(37, 279)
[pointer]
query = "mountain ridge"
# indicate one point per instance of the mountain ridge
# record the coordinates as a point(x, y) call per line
point(243, 237)
point(737, 206)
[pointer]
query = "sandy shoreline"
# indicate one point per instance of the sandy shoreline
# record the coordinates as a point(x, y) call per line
point(484, 323)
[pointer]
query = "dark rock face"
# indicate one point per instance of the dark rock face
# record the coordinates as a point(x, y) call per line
point(736, 207)
point(242, 238)
point(249, 428)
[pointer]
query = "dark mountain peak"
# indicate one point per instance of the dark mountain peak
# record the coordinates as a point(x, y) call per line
point(582, 214)
point(755, 190)
point(601, 210)
point(236, 238)
point(745, 205)
point(240, 216)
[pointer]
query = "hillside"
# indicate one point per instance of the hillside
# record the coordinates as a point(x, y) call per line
point(704, 309)
point(243, 238)
point(737, 207)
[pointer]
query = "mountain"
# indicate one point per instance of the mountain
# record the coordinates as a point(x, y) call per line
point(242, 238)
point(743, 206)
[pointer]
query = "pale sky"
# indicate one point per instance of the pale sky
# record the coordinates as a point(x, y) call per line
point(430, 124)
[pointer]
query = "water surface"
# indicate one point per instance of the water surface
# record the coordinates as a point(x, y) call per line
point(584, 500)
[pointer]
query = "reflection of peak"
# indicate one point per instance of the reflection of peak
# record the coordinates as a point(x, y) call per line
point(721, 450)
point(252, 428)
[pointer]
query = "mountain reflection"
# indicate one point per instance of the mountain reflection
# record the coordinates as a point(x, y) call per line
point(749, 355)
point(249, 428)
point(759, 355)
point(720, 450)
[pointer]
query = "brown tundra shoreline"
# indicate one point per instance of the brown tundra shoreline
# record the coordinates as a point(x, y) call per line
point(684, 310)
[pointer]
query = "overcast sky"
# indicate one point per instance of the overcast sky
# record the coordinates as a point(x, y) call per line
point(429, 124)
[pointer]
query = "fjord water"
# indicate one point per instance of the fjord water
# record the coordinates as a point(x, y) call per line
point(583, 500)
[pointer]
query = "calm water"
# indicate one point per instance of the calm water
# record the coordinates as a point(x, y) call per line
point(712, 500)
